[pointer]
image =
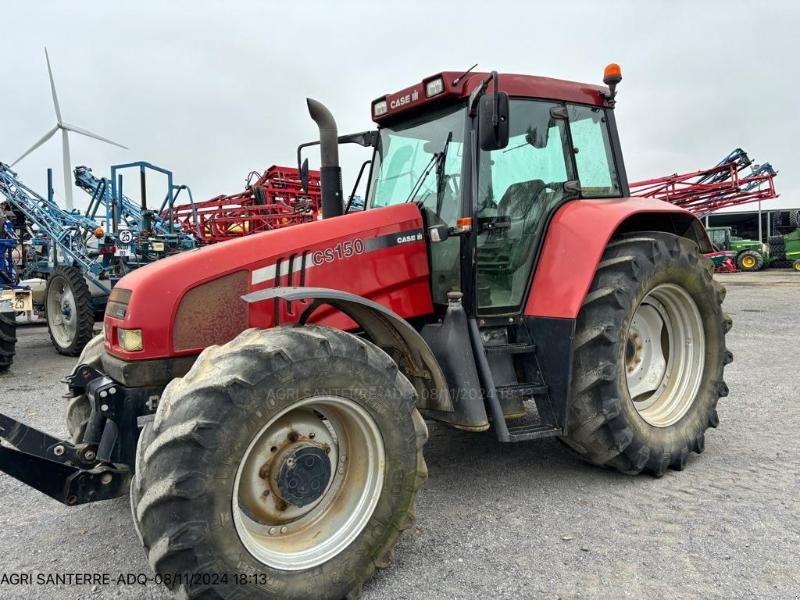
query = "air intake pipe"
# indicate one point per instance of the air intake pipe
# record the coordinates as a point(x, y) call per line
point(330, 171)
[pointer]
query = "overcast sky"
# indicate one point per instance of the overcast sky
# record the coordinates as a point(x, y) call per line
point(213, 90)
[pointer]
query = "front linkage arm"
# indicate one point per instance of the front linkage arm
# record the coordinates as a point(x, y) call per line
point(100, 465)
point(57, 468)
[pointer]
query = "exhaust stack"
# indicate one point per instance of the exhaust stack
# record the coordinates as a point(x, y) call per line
point(330, 171)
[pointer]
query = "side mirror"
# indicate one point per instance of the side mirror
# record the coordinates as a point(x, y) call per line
point(304, 176)
point(493, 121)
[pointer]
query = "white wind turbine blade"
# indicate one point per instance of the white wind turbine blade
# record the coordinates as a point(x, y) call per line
point(88, 133)
point(45, 137)
point(67, 169)
point(53, 87)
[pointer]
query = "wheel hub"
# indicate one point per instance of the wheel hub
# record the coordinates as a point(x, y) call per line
point(308, 482)
point(302, 473)
point(66, 309)
point(664, 355)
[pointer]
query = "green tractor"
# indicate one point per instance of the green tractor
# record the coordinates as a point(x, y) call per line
point(784, 250)
point(750, 255)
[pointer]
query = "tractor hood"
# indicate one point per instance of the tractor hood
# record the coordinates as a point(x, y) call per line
point(181, 305)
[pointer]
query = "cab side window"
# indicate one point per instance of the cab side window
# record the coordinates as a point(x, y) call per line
point(593, 157)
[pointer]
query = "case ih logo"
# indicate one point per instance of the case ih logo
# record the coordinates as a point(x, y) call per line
point(403, 100)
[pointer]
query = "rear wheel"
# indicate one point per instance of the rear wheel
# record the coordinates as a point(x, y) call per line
point(796, 265)
point(749, 260)
point(649, 356)
point(70, 316)
point(289, 457)
point(8, 339)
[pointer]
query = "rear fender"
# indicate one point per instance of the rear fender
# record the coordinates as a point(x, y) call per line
point(386, 329)
point(577, 237)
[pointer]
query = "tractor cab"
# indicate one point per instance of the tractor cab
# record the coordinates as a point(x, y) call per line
point(489, 196)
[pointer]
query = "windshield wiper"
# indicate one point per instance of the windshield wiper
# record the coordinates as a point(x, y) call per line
point(440, 178)
point(437, 160)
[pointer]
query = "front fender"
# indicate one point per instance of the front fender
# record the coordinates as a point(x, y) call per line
point(577, 237)
point(385, 328)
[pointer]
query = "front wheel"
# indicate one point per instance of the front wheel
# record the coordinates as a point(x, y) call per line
point(284, 463)
point(749, 261)
point(70, 316)
point(649, 356)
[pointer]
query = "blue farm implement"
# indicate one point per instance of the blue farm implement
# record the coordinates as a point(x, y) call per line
point(82, 256)
point(158, 230)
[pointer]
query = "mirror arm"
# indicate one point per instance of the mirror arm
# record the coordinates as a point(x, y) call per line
point(476, 94)
point(496, 109)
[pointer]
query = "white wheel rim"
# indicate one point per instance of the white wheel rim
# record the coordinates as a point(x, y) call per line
point(62, 314)
point(289, 537)
point(665, 355)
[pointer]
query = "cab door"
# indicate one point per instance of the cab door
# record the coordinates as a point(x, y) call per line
point(554, 149)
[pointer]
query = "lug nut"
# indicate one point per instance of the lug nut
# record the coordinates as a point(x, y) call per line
point(58, 450)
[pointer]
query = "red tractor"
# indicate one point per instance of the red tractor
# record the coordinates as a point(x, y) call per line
point(264, 399)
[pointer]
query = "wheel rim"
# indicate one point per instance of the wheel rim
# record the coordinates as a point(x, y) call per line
point(665, 355)
point(748, 262)
point(62, 314)
point(287, 512)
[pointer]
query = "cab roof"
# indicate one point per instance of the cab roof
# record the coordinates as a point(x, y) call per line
point(455, 86)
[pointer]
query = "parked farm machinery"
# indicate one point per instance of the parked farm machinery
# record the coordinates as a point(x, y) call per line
point(79, 256)
point(724, 185)
point(270, 200)
point(158, 230)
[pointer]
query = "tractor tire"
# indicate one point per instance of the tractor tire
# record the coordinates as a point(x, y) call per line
point(69, 311)
point(78, 408)
point(217, 499)
point(8, 340)
point(777, 247)
point(796, 265)
point(750, 261)
point(631, 410)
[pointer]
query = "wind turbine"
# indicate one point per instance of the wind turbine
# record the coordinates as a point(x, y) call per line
point(65, 129)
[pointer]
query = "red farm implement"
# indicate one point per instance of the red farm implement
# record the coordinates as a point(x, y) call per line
point(271, 200)
point(706, 191)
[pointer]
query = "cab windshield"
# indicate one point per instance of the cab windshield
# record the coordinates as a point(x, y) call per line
point(420, 161)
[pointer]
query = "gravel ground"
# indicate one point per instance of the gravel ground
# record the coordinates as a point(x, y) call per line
point(513, 521)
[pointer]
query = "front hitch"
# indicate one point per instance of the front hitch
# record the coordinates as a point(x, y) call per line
point(63, 471)
point(97, 467)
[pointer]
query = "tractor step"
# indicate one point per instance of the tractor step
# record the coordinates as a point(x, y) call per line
point(532, 431)
point(516, 348)
point(522, 391)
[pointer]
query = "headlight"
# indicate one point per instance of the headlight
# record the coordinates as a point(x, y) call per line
point(130, 339)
